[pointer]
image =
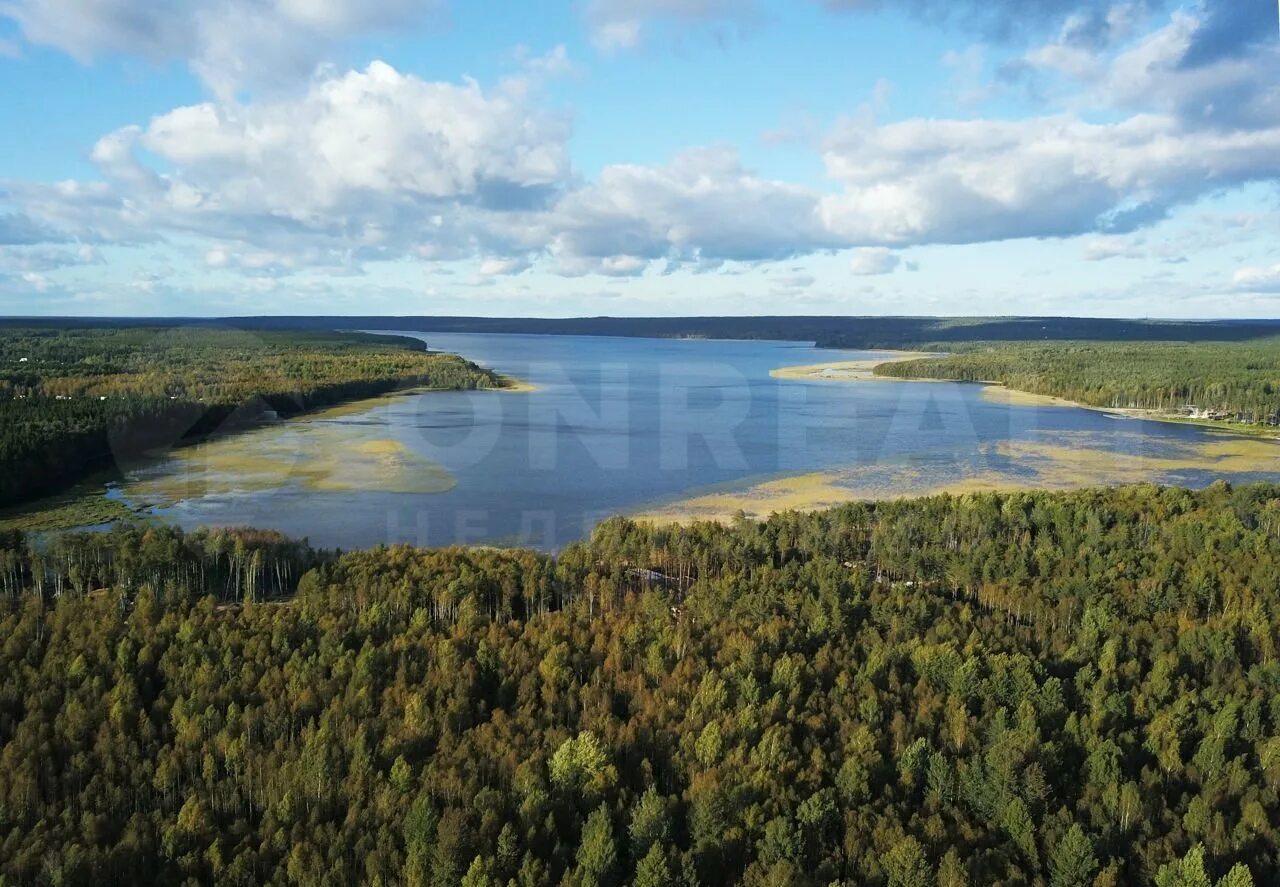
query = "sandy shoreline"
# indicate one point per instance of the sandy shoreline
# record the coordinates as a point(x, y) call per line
point(516, 386)
point(1061, 462)
point(848, 370)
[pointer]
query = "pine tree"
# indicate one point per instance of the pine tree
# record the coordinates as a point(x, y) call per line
point(650, 823)
point(480, 874)
point(653, 869)
point(597, 855)
point(1072, 863)
point(1186, 872)
point(1239, 876)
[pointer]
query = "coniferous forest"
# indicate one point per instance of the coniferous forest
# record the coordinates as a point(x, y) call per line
point(1062, 689)
point(73, 401)
point(1234, 381)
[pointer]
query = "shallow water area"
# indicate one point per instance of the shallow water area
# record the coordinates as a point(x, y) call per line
point(664, 428)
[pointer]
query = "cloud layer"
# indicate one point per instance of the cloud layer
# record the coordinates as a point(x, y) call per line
point(230, 44)
point(376, 164)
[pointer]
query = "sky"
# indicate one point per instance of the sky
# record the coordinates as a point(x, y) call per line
point(1111, 158)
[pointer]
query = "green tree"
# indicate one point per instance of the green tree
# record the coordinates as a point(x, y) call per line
point(1072, 863)
point(597, 855)
point(906, 866)
point(1239, 876)
point(951, 870)
point(1186, 872)
point(650, 823)
point(653, 870)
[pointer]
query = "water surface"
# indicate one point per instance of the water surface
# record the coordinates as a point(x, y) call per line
point(641, 425)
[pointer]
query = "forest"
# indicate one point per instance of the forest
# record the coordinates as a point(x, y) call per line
point(1064, 689)
point(827, 331)
point(75, 401)
point(1234, 381)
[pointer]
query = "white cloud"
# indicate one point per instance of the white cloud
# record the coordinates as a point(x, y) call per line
point(1102, 247)
point(36, 281)
point(375, 164)
point(872, 260)
point(372, 132)
point(369, 164)
point(498, 267)
point(624, 24)
point(1258, 279)
point(967, 181)
point(228, 43)
point(40, 259)
point(702, 206)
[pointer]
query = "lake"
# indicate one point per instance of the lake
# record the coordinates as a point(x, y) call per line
point(661, 427)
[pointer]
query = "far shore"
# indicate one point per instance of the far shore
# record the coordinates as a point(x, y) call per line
point(996, 392)
point(513, 385)
point(848, 370)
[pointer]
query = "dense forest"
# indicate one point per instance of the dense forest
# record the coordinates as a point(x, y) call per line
point(1066, 689)
point(73, 401)
point(826, 331)
point(1238, 382)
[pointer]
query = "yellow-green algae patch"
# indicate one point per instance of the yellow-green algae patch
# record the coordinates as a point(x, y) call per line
point(1069, 461)
point(310, 455)
point(65, 512)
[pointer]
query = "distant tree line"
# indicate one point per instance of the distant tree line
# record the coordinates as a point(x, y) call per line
point(835, 331)
point(1234, 381)
point(74, 401)
point(1065, 689)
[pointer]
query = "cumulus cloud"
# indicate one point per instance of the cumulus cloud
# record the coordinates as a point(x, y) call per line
point(367, 164)
point(228, 43)
point(703, 205)
point(375, 164)
point(872, 260)
point(967, 181)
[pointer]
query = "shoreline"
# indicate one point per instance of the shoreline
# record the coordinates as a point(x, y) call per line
point(862, 370)
point(998, 392)
point(73, 508)
point(1057, 463)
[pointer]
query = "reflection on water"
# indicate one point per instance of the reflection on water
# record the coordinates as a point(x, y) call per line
point(655, 426)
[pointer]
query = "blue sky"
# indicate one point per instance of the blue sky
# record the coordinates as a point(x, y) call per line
point(215, 157)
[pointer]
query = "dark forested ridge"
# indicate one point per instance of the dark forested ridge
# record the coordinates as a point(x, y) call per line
point(1234, 381)
point(76, 400)
point(827, 331)
point(1065, 689)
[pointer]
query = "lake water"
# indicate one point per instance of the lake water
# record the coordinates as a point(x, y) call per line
point(635, 425)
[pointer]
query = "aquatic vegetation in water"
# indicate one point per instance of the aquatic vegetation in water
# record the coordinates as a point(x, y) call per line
point(65, 512)
point(311, 454)
point(1066, 460)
